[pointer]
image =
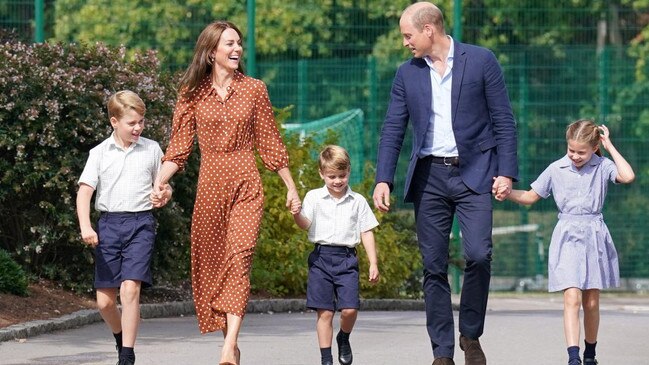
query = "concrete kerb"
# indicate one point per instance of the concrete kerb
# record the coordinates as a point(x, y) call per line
point(173, 309)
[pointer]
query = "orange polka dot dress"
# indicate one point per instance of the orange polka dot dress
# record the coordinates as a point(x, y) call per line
point(229, 197)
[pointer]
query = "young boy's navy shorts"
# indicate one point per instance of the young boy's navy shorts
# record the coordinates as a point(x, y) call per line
point(333, 278)
point(125, 248)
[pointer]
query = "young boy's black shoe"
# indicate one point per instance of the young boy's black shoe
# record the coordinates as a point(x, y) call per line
point(127, 356)
point(590, 361)
point(126, 362)
point(345, 356)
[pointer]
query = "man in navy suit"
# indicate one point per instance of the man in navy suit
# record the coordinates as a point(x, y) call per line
point(464, 148)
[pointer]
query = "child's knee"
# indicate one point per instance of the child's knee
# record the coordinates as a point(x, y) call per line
point(325, 315)
point(348, 312)
point(105, 302)
point(130, 290)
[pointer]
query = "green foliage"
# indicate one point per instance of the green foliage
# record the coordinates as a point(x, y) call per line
point(286, 28)
point(12, 277)
point(52, 108)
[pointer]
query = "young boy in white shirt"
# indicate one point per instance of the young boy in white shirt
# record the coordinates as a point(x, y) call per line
point(122, 170)
point(337, 219)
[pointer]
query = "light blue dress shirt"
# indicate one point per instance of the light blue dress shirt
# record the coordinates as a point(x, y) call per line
point(440, 140)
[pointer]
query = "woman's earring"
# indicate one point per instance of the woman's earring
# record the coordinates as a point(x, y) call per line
point(210, 60)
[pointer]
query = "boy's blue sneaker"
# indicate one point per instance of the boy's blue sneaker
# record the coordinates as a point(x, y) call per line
point(590, 361)
point(574, 362)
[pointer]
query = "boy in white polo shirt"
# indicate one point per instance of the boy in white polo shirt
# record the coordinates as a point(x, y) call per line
point(122, 170)
point(337, 219)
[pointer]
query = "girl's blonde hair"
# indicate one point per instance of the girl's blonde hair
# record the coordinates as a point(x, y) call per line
point(334, 157)
point(122, 101)
point(201, 65)
point(584, 131)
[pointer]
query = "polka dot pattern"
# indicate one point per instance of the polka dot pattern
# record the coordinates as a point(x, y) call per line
point(229, 197)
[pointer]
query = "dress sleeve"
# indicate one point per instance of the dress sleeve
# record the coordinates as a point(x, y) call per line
point(183, 132)
point(610, 170)
point(267, 139)
point(543, 184)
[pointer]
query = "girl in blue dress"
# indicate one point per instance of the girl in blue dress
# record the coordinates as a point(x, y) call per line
point(582, 259)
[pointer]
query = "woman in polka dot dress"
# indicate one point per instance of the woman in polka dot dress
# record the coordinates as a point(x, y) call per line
point(231, 115)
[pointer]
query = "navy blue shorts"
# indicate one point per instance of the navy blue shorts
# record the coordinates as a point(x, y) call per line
point(333, 278)
point(125, 248)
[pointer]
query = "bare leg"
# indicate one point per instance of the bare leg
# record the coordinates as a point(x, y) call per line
point(324, 328)
point(107, 306)
point(571, 306)
point(129, 295)
point(348, 319)
point(591, 315)
point(230, 350)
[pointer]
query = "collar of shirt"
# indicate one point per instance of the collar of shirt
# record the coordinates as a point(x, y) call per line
point(112, 143)
point(205, 87)
point(565, 161)
point(324, 193)
point(449, 57)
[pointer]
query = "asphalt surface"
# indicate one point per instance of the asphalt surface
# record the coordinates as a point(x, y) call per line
point(520, 329)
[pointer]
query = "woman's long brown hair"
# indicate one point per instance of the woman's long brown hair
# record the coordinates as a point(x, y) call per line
point(201, 65)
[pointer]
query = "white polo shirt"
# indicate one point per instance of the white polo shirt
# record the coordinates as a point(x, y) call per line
point(337, 222)
point(123, 178)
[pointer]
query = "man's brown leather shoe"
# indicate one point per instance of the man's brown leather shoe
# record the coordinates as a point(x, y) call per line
point(473, 354)
point(443, 361)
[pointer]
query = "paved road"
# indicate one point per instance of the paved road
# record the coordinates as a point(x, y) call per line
point(519, 330)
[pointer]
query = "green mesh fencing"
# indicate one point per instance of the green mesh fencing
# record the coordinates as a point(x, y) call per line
point(348, 128)
point(562, 61)
point(18, 15)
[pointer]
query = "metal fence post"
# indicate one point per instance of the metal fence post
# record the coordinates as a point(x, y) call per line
point(372, 107)
point(523, 144)
point(39, 31)
point(302, 85)
point(251, 60)
point(603, 71)
point(455, 241)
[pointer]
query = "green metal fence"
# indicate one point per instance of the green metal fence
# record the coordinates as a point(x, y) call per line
point(561, 63)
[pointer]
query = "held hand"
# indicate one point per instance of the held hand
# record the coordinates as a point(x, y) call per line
point(374, 274)
point(381, 197)
point(296, 207)
point(501, 187)
point(159, 198)
point(89, 236)
point(158, 189)
point(293, 202)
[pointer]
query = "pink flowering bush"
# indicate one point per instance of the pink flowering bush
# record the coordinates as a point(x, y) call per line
point(52, 112)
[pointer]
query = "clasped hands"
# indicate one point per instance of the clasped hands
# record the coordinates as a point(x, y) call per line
point(501, 187)
point(160, 195)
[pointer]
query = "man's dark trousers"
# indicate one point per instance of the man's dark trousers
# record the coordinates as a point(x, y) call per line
point(438, 194)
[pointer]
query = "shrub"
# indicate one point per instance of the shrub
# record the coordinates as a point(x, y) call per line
point(12, 277)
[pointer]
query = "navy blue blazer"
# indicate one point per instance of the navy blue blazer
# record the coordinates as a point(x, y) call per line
point(482, 117)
